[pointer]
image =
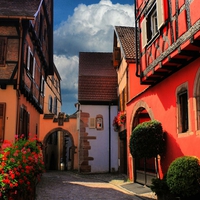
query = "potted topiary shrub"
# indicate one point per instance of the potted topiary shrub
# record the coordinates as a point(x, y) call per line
point(183, 178)
point(147, 140)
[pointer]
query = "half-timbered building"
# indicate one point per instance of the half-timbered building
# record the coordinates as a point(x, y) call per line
point(169, 49)
point(26, 59)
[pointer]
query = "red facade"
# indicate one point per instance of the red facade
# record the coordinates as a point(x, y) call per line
point(169, 67)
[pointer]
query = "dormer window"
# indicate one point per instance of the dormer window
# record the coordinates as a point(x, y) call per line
point(152, 22)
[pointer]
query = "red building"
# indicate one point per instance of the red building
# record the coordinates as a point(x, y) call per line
point(168, 68)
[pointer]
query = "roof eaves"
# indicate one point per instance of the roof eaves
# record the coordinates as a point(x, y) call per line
point(38, 8)
point(118, 38)
point(17, 17)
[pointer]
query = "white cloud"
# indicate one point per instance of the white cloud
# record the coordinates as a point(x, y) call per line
point(68, 69)
point(89, 29)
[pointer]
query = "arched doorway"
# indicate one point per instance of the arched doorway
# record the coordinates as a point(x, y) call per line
point(58, 148)
point(144, 169)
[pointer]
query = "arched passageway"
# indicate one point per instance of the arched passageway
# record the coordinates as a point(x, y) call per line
point(59, 148)
point(144, 169)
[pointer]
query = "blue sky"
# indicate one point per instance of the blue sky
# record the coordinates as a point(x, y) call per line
point(84, 26)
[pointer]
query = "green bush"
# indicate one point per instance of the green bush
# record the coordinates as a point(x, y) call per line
point(183, 176)
point(159, 186)
point(147, 140)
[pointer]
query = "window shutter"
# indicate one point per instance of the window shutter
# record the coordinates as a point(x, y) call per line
point(92, 122)
point(42, 86)
point(2, 121)
point(21, 121)
point(160, 13)
point(116, 56)
point(144, 32)
point(26, 123)
point(28, 58)
point(50, 103)
point(55, 106)
point(34, 63)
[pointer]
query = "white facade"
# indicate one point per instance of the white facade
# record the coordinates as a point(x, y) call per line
point(104, 142)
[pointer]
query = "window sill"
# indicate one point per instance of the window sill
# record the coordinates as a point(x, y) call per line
point(151, 41)
point(197, 132)
point(185, 134)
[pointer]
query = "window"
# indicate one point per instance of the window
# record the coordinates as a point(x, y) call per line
point(30, 63)
point(2, 50)
point(99, 122)
point(55, 106)
point(50, 104)
point(183, 111)
point(152, 25)
point(24, 122)
point(2, 120)
point(152, 22)
point(42, 86)
point(123, 99)
point(96, 122)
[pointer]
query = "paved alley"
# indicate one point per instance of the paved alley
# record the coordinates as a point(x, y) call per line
point(59, 185)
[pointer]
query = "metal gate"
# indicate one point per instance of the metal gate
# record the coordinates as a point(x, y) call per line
point(145, 170)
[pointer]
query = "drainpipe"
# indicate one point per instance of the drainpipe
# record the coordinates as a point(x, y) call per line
point(109, 116)
point(18, 75)
point(136, 45)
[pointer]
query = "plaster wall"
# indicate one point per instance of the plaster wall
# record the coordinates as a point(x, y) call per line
point(100, 146)
point(9, 97)
point(160, 102)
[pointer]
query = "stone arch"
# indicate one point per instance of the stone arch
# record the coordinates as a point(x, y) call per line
point(139, 107)
point(54, 130)
point(196, 96)
point(61, 153)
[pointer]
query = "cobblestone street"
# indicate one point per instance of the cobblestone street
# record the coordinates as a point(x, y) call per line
point(59, 185)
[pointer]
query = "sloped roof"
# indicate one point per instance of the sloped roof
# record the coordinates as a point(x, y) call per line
point(97, 78)
point(19, 8)
point(126, 36)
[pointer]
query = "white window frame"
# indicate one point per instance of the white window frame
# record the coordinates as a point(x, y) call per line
point(160, 13)
point(32, 73)
point(34, 64)
point(156, 18)
point(144, 32)
point(99, 123)
point(183, 88)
